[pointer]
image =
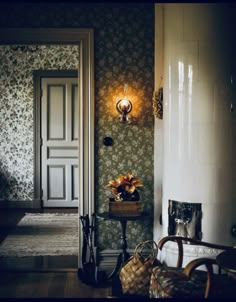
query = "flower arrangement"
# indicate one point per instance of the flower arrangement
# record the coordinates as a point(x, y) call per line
point(125, 187)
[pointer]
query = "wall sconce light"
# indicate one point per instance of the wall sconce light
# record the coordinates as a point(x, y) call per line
point(124, 106)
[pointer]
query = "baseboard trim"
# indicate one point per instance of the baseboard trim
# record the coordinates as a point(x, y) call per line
point(19, 204)
point(108, 258)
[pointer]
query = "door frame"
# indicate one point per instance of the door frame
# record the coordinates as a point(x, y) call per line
point(84, 38)
point(37, 77)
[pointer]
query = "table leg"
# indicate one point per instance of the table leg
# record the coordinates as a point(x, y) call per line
point(124, 255)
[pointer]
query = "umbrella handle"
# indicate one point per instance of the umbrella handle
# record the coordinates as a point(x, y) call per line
point(84, 248)
point(88, 236)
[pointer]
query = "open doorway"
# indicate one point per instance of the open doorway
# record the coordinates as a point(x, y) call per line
point(83, 38)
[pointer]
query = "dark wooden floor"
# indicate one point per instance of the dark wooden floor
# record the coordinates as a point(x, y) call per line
point(43, 276)
point(47, 285)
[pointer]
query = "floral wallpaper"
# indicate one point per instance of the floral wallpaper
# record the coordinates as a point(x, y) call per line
point(124, 54)
point(16, 111)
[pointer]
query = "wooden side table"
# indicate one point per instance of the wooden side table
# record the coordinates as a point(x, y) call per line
point(124, 255)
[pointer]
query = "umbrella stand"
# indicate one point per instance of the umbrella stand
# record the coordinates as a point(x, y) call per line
point(89, 273)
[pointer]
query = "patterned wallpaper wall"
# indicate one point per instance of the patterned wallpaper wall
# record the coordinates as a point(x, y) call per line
point(124, 54)
point(16, 112)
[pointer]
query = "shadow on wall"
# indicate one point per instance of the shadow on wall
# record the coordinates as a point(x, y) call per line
point(5, 184)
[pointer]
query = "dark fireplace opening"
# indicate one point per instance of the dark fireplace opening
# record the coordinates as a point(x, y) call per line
point(185, 219)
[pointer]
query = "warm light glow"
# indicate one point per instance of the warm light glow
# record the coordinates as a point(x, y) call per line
point(124, 106)
point(136, 95)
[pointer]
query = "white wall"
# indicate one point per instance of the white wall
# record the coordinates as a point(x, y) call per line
point(198, 129)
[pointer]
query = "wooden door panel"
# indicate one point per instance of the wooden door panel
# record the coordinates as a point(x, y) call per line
point(65, 152)
point(75, 182)
point(59, 162)
point(56, 182)
point(75, 110)
point(56, 111)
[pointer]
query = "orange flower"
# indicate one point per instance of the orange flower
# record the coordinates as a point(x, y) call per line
point(113, 183)
point(124, 186)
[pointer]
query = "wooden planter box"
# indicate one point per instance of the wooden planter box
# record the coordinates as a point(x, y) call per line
point(125, 208)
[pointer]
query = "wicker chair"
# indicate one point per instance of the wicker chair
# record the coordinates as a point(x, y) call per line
point(190, 281)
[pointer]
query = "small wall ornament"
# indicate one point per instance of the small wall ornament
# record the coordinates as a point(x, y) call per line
point(158, 103)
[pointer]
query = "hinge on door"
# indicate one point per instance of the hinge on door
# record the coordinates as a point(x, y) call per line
point(41, 193)
point(41, 93)
point(41, 141)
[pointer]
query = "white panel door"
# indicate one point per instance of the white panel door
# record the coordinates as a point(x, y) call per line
point(59, 153)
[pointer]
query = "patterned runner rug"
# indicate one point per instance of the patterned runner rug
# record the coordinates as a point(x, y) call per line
point(43, 234)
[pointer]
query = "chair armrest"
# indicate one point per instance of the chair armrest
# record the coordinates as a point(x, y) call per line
point(208, 262)
point(180, 240)
point(192, 265)
point(163, 240)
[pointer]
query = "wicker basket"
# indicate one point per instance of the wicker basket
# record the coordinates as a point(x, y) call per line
point(136, 273)
point(125, 208)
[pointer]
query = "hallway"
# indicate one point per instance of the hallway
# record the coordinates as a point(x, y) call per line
point(41, 276)
point(8, 221)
